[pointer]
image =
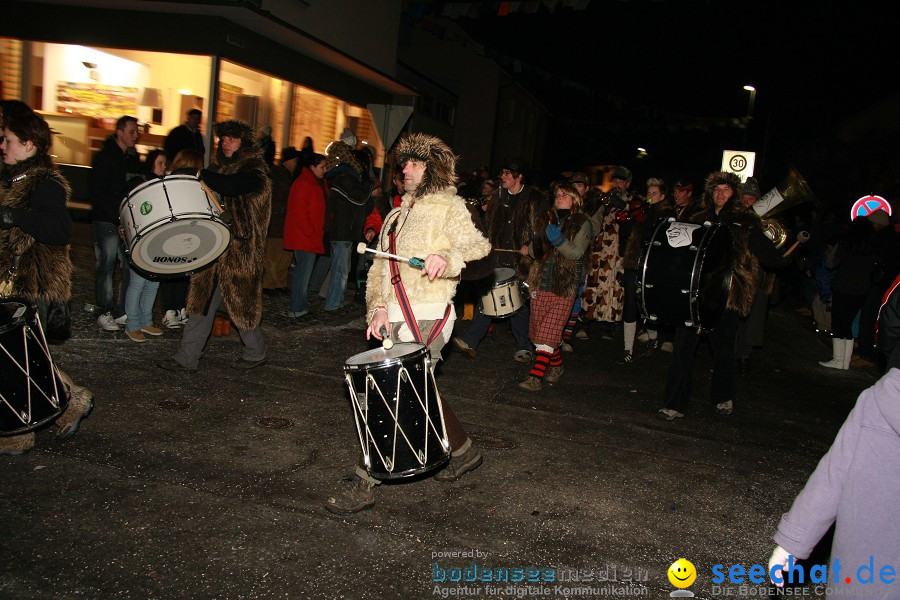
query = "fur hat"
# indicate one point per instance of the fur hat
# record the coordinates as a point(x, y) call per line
point(348, 137)
point(338, 153)
point(236, 129)
point(440, 162)
point(720, 178)
point(751, 187)
point(879, 218)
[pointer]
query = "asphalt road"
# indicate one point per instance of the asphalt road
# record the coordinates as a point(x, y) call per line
point(212, 485)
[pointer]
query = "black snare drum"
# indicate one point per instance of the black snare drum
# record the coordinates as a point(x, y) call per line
point(685, 274)
point(398, 411)
point(31, 392)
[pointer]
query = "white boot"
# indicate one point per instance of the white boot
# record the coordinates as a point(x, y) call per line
point(848, 353)
point(838, 349)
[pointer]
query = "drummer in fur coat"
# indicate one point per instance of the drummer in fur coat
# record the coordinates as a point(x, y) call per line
point(238, 174)
point(433, 222)
point(721, 204)
point(35, 229)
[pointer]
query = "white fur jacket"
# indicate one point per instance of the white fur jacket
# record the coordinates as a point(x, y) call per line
point(437, 223)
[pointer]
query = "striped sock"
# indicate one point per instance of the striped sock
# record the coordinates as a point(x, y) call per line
point(569, 329)
point(556, 358)
point(539, 368)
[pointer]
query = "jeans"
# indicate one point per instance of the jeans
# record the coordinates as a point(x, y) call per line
point(518, 323)
point(107, 248)
point(139, 299)
point(340, 269)
point(303, 269)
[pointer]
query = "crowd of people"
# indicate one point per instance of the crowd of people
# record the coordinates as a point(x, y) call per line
point(558, 266)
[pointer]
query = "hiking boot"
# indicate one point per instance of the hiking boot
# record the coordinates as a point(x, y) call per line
point(523, 356)
point(668, 414)
point(458, 466)
point(666, 347)
point(553, 374)
point(151, 330)
point(581, 334)
point(16, 445)
point(461, 346)
point(725, 408)
point(107, 323)
point(643, 336)
point(627, 358)
point(172, 320)
point(357, 495)
point(81, 404)
point(531, 384)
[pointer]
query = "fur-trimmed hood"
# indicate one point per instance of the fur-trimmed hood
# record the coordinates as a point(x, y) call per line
point(719, 178)
point(440, 170)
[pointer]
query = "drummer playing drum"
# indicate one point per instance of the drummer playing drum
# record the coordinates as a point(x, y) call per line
point(407, 304)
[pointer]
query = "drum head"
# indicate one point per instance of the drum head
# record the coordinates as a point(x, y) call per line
point(380, 358)
point(504, 274)
point(180, 247)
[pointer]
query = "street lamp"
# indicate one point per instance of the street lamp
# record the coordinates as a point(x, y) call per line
point(750, 103)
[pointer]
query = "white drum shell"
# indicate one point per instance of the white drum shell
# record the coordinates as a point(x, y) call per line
point(172, 227)
point(504, 299)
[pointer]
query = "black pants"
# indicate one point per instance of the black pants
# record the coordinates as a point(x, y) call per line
point(721, 341)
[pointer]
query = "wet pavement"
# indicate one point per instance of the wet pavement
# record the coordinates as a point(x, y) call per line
point(211, 485)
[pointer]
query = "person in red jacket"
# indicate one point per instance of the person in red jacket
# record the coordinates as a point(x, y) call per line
point(304, 229)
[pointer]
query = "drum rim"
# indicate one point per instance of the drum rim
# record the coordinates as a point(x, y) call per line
point(418, 349)
point(29, 308)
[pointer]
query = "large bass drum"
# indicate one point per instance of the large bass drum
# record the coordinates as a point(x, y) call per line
point(685, 274)
point(172, 226)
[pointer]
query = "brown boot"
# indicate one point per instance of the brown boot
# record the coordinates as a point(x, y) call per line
point(16, 445)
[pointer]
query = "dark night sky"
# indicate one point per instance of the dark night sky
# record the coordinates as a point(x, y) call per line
point(814, 64)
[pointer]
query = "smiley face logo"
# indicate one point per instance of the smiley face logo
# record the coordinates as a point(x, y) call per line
point(682, 573)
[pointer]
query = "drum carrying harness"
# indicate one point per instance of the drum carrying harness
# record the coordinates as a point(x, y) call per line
point(402, 299)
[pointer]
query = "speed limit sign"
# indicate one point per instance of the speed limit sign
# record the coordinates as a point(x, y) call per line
point(739, 162)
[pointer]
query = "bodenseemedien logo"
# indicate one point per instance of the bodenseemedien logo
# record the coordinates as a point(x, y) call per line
point(682, 574)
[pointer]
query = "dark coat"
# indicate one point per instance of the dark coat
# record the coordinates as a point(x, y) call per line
point(110, 171)
point(247, 195)
point(348, 203)
point(183, 138)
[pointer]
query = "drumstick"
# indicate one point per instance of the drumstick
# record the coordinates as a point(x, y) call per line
point(386, 342)
point(505, 250)
point(801, 238)
point(418, 263)
point(212, 196)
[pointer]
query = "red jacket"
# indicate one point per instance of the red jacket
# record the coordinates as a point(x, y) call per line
point(304, 223)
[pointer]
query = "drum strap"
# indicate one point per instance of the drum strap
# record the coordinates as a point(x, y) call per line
point(403, 300)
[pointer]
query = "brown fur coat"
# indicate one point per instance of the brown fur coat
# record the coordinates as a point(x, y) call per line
point(239, 270)
point(44, 273)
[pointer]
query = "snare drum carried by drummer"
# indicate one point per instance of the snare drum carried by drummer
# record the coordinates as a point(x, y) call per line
point(405, 428)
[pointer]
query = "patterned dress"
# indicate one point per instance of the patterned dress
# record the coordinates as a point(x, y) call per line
point(603, 298)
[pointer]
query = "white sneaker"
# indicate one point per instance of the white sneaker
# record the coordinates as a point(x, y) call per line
point(172, 320)
point(106, 321)
point(566, 347)
point(183, 316)
point(121, 320)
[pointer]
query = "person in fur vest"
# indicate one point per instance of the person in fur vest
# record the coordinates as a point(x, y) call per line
point(35, 230)
point(560, 248)
point(433, 222)
point(721, 204)
point(238, 174)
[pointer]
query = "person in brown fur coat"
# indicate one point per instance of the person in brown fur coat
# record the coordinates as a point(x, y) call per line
point(35, 229)
point(238, 174)
point(720, 204)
